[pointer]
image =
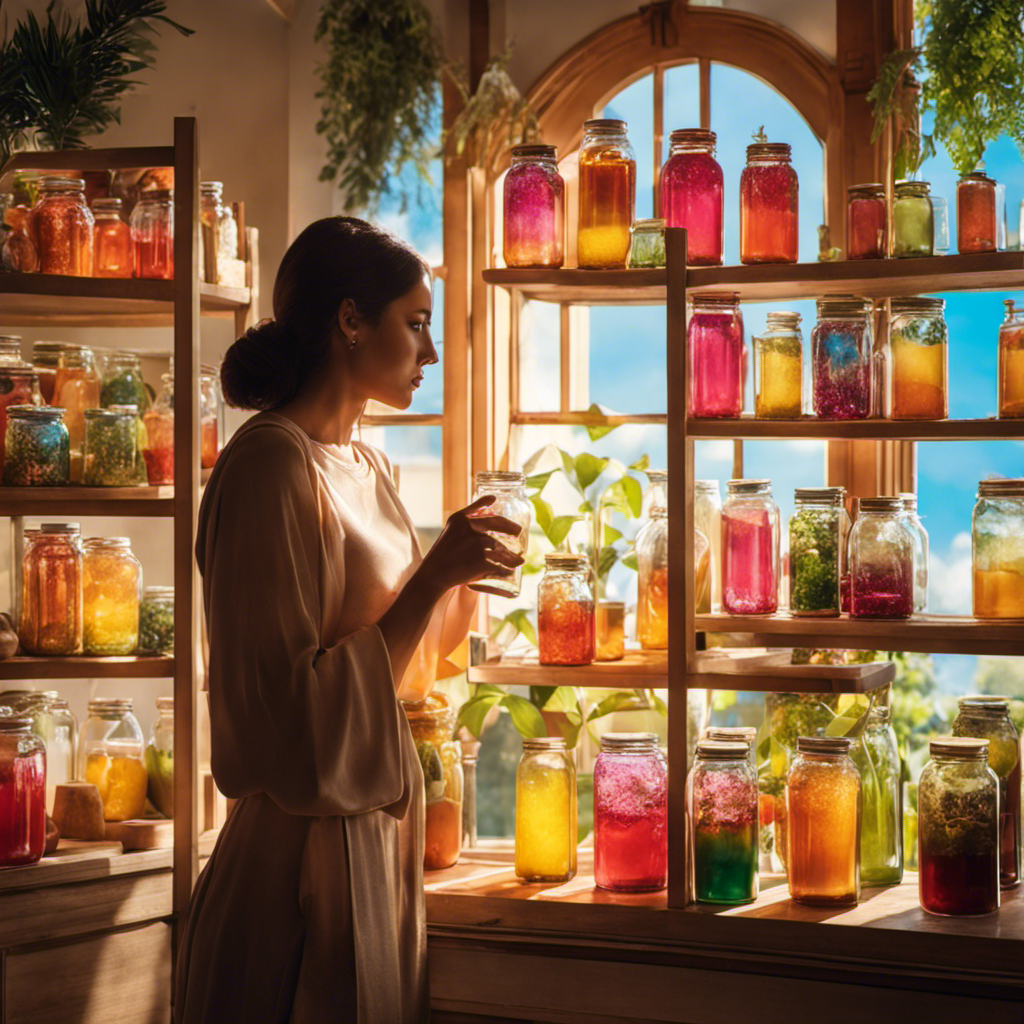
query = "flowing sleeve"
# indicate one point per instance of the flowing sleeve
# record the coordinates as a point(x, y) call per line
point(319, 731)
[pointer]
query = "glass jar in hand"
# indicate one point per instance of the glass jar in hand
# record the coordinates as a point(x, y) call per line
point(510, 501)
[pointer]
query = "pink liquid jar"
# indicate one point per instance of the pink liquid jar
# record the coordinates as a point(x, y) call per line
point(630, 813)
point(534, 205)
point(750, 549)
point(718, 358)
point(881, 561)
point(22, 791)
point(691, 194)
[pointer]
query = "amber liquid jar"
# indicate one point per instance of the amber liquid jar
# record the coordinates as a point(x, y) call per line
point(607, 186)
point(61, 225)
point(112, 240)
point(976, 213)
point(153, 234)
point(769, 196)
point(565, 611)
point(1011, 363)
point(51, 596)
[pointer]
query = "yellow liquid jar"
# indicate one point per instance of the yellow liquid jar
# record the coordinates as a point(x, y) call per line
point(779, 369)
point(110, 756)
point(607, 200)
point(112, 590)
point(1011, 363)
point(918, 347)
point(652, 592)
point(997, 533)
point(546, 811)
point(611, 643)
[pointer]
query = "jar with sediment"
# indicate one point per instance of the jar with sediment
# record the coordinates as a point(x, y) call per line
point(818, 532)
point(976, 213)
point(110, 756)
point(842, 344)
point(919, 354)
point(36, 451)
point(607, 195)
point(881, 561)
point(913, 220)
point(61, 225)
point(920, 535)
point(867, 229)
point(565, 611)
point(997, 535)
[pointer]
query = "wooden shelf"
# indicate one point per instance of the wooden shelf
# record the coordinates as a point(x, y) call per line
point(585, 287)
point(773, 672)
point(88, 666)
point(748, 428)
point(87, 501)
point(637, 668)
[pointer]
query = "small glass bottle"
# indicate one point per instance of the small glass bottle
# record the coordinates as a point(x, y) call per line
point(546, 817)
point(160, 759)
point(818, 532)
point(111, 590)
point(611, 637)
point(707, 517)
point(218, 233)
point(647, 245)
point(919, 350)
point(779, 369)
point(750, 549)
point(51, 594)
point(997, 542)
point(913, 220)
point(509, 492)
point(692, 194)
point(565, 611)
point(867, 228)
point(842, 344)
point(607, 195)
point(881, 561)
point(211, 414)
point(534, 209)
point(652, 582)
point(988, 718)
point(920, 535)
point(877, 757)
point(976, 213)
point(158, 450)
point(57, 727)
point(112, 240)
point(36, 450)
point(22, 791)
point(122, 382)
point(630, 813)
point(19, 385)
point(110, 756)
point(714, 336)
point(10, 352)
point(61, 224)
point(958, 829)
point(722, 802)
point(156, 621)
point(76, 389)
point(111, 437)
point(152, 226)
point(769, 205)
point(1011, 363)
point(18, 253)
point(656, 495)
point(823, 822)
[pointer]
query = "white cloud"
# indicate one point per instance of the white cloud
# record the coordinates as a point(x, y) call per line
point(949, 578)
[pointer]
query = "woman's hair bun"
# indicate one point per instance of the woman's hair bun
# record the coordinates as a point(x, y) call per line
point(259, 370)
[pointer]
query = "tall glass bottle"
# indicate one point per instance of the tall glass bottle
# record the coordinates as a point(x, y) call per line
point(877, 758)
point(692, 194)
point(920, 535)
point(1011, 363)
point(779, 369)
point(997, 534)
point(607, 200)
point(769, 205)
point(750, 549)
point(534, 208)
point(714, 337)
point(842, 344)
point(707, 517)
point(546, 817)
point(652, 585)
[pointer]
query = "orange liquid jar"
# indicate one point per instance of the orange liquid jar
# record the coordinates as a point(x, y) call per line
point(976, 213)
point(565, 611)
point(1011, 363)
point(153, 234)
point(62, 225)
point(77, 388)
point(112, 240)
point(769, 194)
point(51, 591)
point(607, 195)
point(652, 593)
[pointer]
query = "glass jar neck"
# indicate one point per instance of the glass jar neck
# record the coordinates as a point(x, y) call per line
point(764, 153)
point(35, 413)
point(911, 190)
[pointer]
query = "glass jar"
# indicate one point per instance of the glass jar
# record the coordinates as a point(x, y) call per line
point(111, 436)
point(156, 621)
point(51, 595)
point(61, 224)
point(607, 187)
point(867, 229)
point(19, 386)
point(1011, 363)
point(881, 561)
point(714, 336)
point(823, 823)
point(10, 352)
point(630, 813)
point(913, 220)
point(510, 500)
point(918, 348)
point(160, 759)
point(722, 802)
point(565, 611)
point(432, 722)
point(997, 541)
point(842, 345)
point(17, 250)
point(158, 450)
point(111, 590)
point(958, 829)
point(110, 756)
point(647, 248)
point(750, 549)
point(656, 495)
point(45, 360)
point(652, 582)
point(702, 573)
point(211, 411)
point(611, 635)
point(534, 209)
point(76, 389)
point(692, 194)
point(111, 240)
point(920, 535)
point(218, 234)
point(779, 369)
point(976, 213)
point(546, 818)
point(54, 723)
point(36, 451)
point(122, 382)
point(734, 734)
point(707, 517)
point(988, 718)
point(769, 205)
point(877, 757)
point(818, 531)
point(152, 225)
point(22, 791)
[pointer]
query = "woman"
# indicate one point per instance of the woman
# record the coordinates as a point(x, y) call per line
point(321, 615)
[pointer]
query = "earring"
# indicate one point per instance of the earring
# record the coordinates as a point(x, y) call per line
point(352, 342)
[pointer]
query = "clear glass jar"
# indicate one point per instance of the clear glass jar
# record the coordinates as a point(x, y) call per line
point(823, 823)
point(919, 350)
point(607, 187)
point(36, 452)
point(647, 248)
point(913, 220)
point(656, 495)
point(110, 756)
point(111, 590)
point(565, 611)
point(769, 205)
point(842, 345)
point(920, 535)
point(122, 382)
point(652, 582)
point(211, 417)
point(156, 621)
point(750, 549)
point(158, 450)
point(881, 561)
point(17, 250)
point(997, 542)
point(22, 791)
point(45, 360)
point(111, 240)
point(546, 817)
point(976, 213)
point(61, 224)
point(867, 228)
point(534, 209)
point(630, 813)
point(702, 573)
point(611, 635)
point(734, 734)
point(988, 718)
point(152, 224)
point(818, 532)
point(722, 802)
point(958, 829)
point(54, 723)
point(877, 757)
point(714, 337)
point(707, 517)
point(692, 194)
point(10, 352)
point(1011, 363)
point(51, 595)
point(510, 501)
point(218, 233)
point(111, 437)
point(77, 388)
point(160, 759)
point(779, 369)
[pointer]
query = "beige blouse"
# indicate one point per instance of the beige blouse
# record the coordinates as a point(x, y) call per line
point(311, 906)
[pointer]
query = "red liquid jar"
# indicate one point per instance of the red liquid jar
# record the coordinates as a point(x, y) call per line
point(61, 225)
point(750, 549)
point(534, 208)
point(112, 240)
point(22, 791)
point(691, 194)
point(769, 196)
point(881, 561)
point(153, 234)
point(976, 213)
point(714, 338)
point(866, 222)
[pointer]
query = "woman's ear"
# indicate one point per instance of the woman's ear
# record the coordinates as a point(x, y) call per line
point(348, 322)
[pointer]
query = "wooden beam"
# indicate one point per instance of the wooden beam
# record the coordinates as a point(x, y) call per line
point(286, 8)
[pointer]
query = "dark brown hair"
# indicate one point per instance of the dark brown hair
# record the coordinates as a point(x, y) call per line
point(333, 259)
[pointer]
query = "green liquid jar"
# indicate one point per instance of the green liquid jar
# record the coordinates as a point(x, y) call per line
point(913, 221)
point(881, 834)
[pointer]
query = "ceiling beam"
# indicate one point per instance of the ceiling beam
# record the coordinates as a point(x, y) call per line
point(286, 8)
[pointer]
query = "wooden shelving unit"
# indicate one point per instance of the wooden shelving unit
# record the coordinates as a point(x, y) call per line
point(87, 501)
point(86, 666)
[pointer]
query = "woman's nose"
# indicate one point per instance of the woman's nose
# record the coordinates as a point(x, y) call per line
point(430, 356)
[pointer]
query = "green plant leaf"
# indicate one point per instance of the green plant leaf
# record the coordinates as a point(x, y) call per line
point(565, 698)
point(611, 535)
point(606, 559)
point(519, 619)
point(589, 468)
point(570, 727)
point(525, 717)
point(543, 513)
point(596, 431)
point(612, 703)
point(642, 464)
point(569, 468)
point(659, 704)
point(540, 695)
point(540, 480)
point(534, 460)
point(473, 713)
point(630, 562)
point(559, 529)
point(627, 496)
